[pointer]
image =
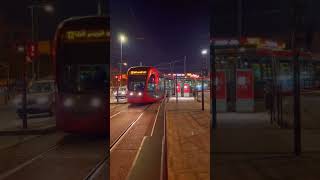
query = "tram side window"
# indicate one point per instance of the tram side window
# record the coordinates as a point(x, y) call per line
point(151, 83)
point(161, 84)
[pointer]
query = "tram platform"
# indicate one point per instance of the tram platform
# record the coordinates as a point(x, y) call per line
point(245, 146)
point(188, 140)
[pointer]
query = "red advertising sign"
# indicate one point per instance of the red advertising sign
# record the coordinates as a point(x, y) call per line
point(221, 88)
point(245, 84)
point(186, 88)
point(178, 88)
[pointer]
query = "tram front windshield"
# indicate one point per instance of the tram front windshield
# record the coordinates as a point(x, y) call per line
point(82, 68)
point(136, 83)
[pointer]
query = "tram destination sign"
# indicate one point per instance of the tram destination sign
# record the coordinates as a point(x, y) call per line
point(86, 35)
point(137, 72)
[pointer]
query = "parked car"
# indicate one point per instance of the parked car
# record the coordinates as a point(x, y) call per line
point(122, 94)
point(40, 98)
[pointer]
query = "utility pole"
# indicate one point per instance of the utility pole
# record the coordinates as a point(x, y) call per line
point(185, 75)
point(202, 92)
point(24, 95)
point(204, 71)
point(240, 18)
point(213, 89)
point(122, 39)
point(176, 88)
point(99, 8)
point(120, 73)
point(296, 74)
point(184, 65)
point(32, 38)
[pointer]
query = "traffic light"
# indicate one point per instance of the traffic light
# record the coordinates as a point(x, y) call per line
point(32, 50)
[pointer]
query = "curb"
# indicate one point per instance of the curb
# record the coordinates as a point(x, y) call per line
point(42, 131)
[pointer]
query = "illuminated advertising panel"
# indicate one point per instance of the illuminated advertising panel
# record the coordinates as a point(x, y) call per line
point(244, 90)
point(221, 91)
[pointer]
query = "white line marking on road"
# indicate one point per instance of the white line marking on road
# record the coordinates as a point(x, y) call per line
point(115, 114)
point(162, 154)
point(137, 155)
point(155, 121)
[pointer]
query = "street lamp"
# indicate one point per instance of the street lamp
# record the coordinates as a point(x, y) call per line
point(47, 8)
point(204, 52)
point(122, 39)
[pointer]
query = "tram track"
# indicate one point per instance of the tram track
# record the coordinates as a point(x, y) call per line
point(95, 171)
point(46, 155)
point(28, 162)
point(61, 150)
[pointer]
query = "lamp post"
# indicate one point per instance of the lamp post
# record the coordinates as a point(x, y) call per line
point(47, 8)
point(204, 53)
point(122, 39)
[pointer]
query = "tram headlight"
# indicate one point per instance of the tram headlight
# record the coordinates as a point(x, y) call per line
point(140, 94)
point(95, 102)
point(68, 102)
point(131, 93)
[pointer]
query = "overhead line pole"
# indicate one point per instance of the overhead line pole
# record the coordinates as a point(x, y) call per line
point(296, 72)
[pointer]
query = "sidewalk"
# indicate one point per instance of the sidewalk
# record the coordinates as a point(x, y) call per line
point(10, 124)
point(188, 140)
point(246, 146)
point(262, 153)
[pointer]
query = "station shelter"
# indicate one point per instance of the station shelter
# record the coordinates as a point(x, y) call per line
point(250, 69)
point(184, 85)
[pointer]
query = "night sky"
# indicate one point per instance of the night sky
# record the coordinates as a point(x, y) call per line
point(160, 31)
point(17, 13)
point(165, 30)
point(269, 18)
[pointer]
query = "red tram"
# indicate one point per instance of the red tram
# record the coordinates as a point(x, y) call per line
point(145, 85)
point(81, 51)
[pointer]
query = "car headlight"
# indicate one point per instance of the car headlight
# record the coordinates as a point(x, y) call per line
point(68, 102)
point(131, 94)
point(42, 100)
point(95, 102)
point(140, 94)
point(123, 93)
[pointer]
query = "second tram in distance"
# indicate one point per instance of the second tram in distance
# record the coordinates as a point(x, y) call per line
point(145, 85)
